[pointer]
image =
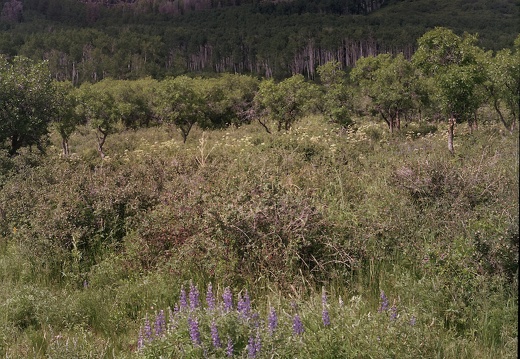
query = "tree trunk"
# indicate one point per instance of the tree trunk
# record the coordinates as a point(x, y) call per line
point(451, 131)
point(510, 127)
point(475, 123)
point(65, 147)
point(388, 121)
point(101, 141)
point(15, 145)
point(264, 125)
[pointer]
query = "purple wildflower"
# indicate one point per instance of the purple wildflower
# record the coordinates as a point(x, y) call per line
point(272, 321)
point(413, 320)
point(193, 325)
point(214, 335)
point(228, 299)
point(140, 339)
point(160, 323)
point(244, 305)
point(255, 319)
point(210, 298)
point(254, 346)
point(325, 317)
point(384, 302)
point(183, 301)
point(298, 328)
point(325, 313)
point(393, 312)
point(194, 297)
point(229, 348)
point(147, 329)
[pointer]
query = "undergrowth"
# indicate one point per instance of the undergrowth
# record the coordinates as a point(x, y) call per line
point(90, 249)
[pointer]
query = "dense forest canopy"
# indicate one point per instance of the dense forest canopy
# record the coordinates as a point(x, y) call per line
point(91, 41)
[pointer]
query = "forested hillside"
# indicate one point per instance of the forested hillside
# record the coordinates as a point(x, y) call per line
point(91, 41)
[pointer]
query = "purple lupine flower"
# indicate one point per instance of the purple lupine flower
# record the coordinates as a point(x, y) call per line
point(229, 348)
point(251, 347)
point(244, 305)
point(258, 343)
point(384, 302)
point(393, 312)
point(214, 335)
point(298, 328)
point(272, 321)
point(194, 297)
point(325, 317)
point(193, 325)
point(210, 298)
point(323, 297)
point(325, 313)
point(227, 296)
point(140, 339)
point(183, 300)
point(147, 329)
point(254, 345)
point(160, 323)
point(413, 320)
point(255, 319)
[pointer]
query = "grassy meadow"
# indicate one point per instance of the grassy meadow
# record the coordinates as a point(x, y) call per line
point(318, 242)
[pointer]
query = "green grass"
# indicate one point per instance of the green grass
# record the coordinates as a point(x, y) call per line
point(90, 248)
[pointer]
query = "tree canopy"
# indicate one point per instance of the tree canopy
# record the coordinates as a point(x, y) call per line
point(27, 102)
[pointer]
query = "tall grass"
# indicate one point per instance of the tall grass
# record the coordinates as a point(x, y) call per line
point(91, 249)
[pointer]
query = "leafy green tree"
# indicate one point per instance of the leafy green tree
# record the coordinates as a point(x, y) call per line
point(391, 85)
point(67, 118)
point(452, 62)
point(27, 102)
point(99, 107)
point(133, 100)
point(502, 84)
point(337, 99)
point(180, 103)
point(229, 99)
point(286, 101)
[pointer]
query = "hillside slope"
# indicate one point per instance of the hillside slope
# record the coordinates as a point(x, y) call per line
point(90, 41)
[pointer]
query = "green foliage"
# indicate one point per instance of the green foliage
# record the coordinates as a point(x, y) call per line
point(89, 42)
point(452, 62)
point(67, 118)
point(337, 99)
point(502, 83)
point(98, 105)
point(27, 100)
point(286, 101)
point(179, 102)
point(134, 101)
point(391, 84)
point(229, 99)
point(90, 247)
